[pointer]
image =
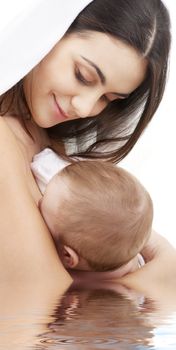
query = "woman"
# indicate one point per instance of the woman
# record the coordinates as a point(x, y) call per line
point(103, 68)
point(104, 77)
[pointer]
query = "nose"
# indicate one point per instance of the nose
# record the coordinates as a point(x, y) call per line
point(87, 105)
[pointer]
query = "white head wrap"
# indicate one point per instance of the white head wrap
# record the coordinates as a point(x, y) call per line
point(29, 32)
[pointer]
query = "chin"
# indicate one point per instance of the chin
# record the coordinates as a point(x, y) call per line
point(42, 123)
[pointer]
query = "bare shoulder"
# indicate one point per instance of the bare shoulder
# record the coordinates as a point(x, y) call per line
point(26, 247)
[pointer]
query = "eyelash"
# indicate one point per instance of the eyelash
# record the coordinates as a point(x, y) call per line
point(80, 78)
point(83, 81)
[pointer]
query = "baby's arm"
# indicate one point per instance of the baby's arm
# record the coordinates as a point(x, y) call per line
point(159, 271)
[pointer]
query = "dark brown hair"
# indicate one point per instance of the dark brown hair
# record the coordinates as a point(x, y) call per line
point(106, 216)
point(144, 25)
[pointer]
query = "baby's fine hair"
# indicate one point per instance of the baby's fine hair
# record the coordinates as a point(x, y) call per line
point(106, 217)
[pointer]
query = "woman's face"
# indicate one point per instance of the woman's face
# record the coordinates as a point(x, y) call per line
point(80, 76)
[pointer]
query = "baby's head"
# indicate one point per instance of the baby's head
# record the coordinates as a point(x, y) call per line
point(99, 215)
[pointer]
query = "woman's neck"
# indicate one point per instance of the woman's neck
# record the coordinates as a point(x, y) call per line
point(32, 140)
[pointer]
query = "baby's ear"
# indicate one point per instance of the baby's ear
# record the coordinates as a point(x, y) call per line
point(69, 257)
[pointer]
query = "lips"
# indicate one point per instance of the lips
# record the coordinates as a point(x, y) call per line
point(60, 112)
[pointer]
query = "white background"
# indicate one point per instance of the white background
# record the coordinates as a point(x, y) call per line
point(153, 158)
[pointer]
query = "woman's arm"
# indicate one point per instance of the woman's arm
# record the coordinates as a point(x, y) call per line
point(27, 252)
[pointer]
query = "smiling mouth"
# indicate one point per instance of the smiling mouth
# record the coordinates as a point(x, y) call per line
point(60, 109)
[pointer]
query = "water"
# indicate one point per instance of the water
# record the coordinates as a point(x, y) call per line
point(88, 319)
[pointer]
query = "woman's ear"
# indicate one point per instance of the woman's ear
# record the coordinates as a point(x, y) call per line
point(70, 258)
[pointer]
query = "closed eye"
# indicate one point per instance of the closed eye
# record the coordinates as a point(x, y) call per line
point(81, 78)
point(106, 98)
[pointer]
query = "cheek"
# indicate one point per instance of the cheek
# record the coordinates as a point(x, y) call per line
point(58, 76)
point(98, 108)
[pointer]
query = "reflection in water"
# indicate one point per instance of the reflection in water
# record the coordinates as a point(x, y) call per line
point(91, 319)
point(102, 319)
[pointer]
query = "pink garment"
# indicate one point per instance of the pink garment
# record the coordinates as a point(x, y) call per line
point(45, 165)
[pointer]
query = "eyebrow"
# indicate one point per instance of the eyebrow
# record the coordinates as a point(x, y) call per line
point(102, 77)
point(99, 72)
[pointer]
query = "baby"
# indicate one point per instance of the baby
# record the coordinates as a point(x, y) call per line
point(100, 216)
